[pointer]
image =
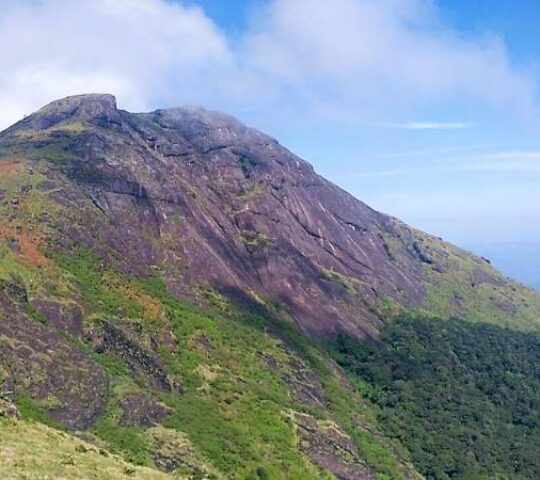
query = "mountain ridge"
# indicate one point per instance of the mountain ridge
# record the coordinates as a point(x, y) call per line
point(254, 190)
point(172, 284)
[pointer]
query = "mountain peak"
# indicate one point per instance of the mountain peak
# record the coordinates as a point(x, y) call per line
point(84, 107)
point(90, 103)
point(243, 214)
point(112, 224)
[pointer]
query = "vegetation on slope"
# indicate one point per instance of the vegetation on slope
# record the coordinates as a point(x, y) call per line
point(236, 366)
point(232, 406)
point(462, 397)
point(460, 285)
point(30, 450)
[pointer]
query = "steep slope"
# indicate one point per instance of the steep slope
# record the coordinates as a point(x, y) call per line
point(210, 203)
point(114, 225)
point(31, 450)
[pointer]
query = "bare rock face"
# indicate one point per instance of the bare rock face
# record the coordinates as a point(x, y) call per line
point(8, 409)
point(40, 362)
point(331, 449)
point(229, 206)
point(303, 384)
point(173, 452)
point(205, 201)
point(123, 341)
point(84, 107)
point(66, 318)
point(140, 409)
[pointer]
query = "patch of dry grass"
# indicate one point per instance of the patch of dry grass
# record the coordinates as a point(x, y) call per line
point(33, 451)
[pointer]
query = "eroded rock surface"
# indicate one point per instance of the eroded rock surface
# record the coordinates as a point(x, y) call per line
point(8, 409)
point(228, 206)
point(141, 410)
point(38, 361)
point(205, 200)
point(303, 384)
point(329, 448)
point(123, 341)
point(65, 317)
point(174, 452)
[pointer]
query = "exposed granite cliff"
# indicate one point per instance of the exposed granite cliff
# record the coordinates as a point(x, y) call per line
point(210, 203)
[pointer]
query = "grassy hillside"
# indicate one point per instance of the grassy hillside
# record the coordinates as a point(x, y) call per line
point(459, 284)
point(240, 377)
point(241, 372)
point(32, 451)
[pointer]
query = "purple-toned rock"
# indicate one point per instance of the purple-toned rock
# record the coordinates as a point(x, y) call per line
point(65, 317)
point(200, 199)
point(139, 409)
point(65, 380)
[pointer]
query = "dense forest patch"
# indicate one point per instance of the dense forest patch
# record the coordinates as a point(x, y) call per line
point(464, 398)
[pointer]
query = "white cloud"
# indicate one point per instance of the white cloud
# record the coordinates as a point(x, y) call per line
point(345, 59)
point(371, 55)
point(147, 52)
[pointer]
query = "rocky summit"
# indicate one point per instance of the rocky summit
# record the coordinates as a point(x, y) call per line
point(185, 294)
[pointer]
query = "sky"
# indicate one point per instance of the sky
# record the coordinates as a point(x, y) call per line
point(428, 110)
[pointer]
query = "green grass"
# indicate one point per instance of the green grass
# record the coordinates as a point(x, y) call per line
point(232, 424)
point(32, 410)
point(459, 292)
point(232, 407)
point(459, 284)
point(30, 450)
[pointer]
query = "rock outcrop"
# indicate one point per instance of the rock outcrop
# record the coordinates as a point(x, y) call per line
point(205, 201)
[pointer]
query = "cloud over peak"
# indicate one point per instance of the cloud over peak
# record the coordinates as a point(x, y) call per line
point(384, 51)
point(143, 51)
point(345, 58)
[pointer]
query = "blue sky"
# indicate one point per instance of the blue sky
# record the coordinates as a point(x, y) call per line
point(427, 175)
point(232, 16)
point(427, 110)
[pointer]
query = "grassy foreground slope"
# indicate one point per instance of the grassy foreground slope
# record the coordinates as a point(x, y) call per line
point(33, 451)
